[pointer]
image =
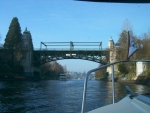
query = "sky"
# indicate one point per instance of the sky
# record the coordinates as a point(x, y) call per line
point(77, 21)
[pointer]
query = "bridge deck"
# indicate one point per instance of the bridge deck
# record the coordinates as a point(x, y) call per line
point(95, 55)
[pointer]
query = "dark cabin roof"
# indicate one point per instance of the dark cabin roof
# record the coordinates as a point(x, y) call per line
point(118, 1)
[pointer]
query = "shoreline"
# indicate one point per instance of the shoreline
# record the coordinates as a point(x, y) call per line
point(142, 80)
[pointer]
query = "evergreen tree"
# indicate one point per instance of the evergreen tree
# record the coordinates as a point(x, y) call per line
point(13, 37)
point(13, 46)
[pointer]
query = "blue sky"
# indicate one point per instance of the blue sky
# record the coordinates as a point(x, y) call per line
point(69, 20)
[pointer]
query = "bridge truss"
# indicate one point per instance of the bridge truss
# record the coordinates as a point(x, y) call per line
point(52, 51)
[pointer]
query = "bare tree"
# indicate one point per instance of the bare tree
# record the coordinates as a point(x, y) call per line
point(127, 26)
point(144, 46)
point(52, 70)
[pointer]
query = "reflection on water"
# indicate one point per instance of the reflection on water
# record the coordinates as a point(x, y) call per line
point(54, 96)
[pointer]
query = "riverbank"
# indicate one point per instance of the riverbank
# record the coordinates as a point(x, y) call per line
point(143, 80)
point(27, 78)
point(19, 78)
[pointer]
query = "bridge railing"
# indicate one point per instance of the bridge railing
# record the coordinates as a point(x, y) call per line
point(71, 45)
point(68, 49)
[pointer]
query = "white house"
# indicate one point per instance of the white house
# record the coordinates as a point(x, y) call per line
point(140, 67)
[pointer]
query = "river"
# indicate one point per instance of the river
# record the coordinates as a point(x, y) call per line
point(54, 96)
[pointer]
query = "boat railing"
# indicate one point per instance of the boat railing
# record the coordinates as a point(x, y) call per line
point(132, 94)
point(103, 66)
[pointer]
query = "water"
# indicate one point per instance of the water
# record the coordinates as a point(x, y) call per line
point(53, 96)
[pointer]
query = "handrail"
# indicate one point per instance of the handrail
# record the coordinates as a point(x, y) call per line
point(90, 71)
point(132, 94)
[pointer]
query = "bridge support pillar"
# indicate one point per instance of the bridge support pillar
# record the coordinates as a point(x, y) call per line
point(27, 62)
point(71, 46)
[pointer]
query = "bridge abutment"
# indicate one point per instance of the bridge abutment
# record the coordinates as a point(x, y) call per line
point(27, 61)
point(112, 55)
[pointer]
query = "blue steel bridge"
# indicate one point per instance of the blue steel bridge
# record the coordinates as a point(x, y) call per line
point(52, 51)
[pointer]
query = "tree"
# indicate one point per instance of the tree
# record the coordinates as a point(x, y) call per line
point(122, 51)
point(51, 70)
point(122, 46)
point(13, 40)
point(122, 68)
point(127, 26)
point(144, 46)
point(13, 37)
point(101, 73)
point(12, 44)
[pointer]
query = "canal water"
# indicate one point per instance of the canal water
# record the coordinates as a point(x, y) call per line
point(54, 96)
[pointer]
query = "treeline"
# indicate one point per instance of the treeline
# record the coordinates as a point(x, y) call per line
point(143, 53)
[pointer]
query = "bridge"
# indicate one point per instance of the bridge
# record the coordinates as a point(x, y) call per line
point(52, 51)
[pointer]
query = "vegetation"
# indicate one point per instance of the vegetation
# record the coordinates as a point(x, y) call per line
point(13, 37)
point(143, 44)
point(11, 56)
point(101, 74)
point(51, 70)
point(122, 68)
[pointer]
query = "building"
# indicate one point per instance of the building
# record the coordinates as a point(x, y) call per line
point(28, 50)
point(112, 55)
point(140, 68)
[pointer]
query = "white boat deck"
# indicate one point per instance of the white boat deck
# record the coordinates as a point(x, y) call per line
point(136, 104)
point(126, 105)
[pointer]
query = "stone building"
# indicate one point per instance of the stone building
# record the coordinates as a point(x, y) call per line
point(112, 55)
point(140, 68)
point(28, 50)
